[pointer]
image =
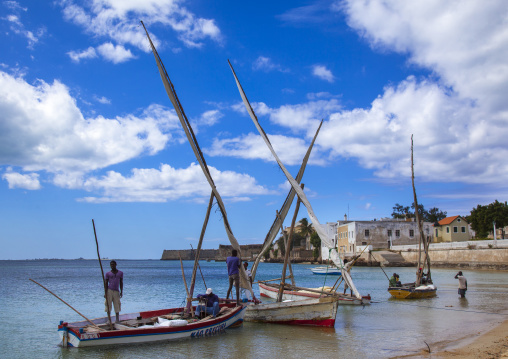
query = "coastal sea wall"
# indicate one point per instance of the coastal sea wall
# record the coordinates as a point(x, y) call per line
point(188, 254)
point(488, 258)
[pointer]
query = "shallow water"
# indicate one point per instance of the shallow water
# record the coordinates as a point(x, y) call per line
point(29, 315)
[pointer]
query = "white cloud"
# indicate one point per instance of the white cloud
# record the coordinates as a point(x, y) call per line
point(77, 56)
point(251, 146)
point(25, 181)
point(266, 64)
point(102, 99)
point(42, 129)
point(118, 20)
point(17, 27)
point(211, 117)
point(115, 53)
point(323, 73)
point(168, 183)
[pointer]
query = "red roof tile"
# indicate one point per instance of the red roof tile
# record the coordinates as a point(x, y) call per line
point(447, 220)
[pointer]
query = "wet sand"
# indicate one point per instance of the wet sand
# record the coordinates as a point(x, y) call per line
point(492, 344)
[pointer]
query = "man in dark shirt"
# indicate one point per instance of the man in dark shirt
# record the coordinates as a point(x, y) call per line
point(212, 303)
point(233, 264)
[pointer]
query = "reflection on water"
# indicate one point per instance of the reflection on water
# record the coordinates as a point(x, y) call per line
point(384, 329)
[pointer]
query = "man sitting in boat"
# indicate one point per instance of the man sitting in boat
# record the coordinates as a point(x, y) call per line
point(394, 280)
point(212, 304)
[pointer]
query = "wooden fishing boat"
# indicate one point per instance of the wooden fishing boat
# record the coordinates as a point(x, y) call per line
point(270, 290)
point(412, 292)
point(423, 287)
point(149, 326)
point(325, 270)
point(312, 311)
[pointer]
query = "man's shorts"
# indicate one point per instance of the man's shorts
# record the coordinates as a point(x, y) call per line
point(462, 291)
point(235, 278)
point(113, 296)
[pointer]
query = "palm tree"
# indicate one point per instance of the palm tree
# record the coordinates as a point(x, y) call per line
point(306, 228)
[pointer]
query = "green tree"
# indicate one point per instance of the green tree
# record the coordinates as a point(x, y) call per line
point(399, 211)
point(433, 215)
point(316, 243)
point(482, 218)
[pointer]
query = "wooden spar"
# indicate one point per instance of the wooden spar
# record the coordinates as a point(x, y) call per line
point(288, 250)
point(63, 301)
point(198, 250)
point(278, 222)
point(183, 275)
point(286, 245)
point(269, 280)
point(170, 90)
point(103, 278)
point(418, 219)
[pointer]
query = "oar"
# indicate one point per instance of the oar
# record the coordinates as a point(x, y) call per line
point(103, 280)
point(88, 320)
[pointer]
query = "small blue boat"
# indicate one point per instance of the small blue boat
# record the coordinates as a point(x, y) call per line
point(325, 270)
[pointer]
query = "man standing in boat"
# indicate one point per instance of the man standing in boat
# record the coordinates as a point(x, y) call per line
point(233, 263)
point(462, 284)
point(114, 283)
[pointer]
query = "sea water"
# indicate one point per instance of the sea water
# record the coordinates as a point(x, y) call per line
point(29, 315)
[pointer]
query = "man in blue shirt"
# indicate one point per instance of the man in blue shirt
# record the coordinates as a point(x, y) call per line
point(233, 264)
point(212, 304)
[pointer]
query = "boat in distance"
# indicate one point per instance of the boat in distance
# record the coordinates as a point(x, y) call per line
point(325, 270)
point(270, 290)
point(149, 326)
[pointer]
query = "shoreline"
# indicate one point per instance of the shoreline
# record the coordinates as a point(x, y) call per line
point(481, 345)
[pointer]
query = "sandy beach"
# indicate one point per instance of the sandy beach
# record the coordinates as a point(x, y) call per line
point(492, 344)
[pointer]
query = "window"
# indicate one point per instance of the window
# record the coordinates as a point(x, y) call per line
point(463, 229)
point(411, 233)
point(458, 220)
point(455, 229)
point(447, 229)
point(364, 243)
point(436, 233)
point(366, 233)
point(389, 233)
point(397, 233)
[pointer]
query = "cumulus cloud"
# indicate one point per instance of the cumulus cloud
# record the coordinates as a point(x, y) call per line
point(323, 73)
point(290, 150)
point(168, 183)
point(118, 21)
point(41, 128)
point(24, 181)
point(115, 53)
point(77, 56)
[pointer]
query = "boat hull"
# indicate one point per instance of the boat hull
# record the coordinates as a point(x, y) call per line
point(268, 290)
point(412, 292)
point(325, 271)
point(314, 312)
point(71, 336)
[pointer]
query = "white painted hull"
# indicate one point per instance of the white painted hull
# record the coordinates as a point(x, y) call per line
point(315, 312)
point(271, 291)
point(71, 336)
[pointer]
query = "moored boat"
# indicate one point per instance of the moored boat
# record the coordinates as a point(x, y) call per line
point(413, 292)
point(312, 311)
point(325, 270)
point(270, 290)
point(149, 326)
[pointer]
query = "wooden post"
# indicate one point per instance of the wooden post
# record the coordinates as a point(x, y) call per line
point(183, 275)
point(88, 320)
point(286, 244)
point(103, 279)
point(418, 219)
point(288, 249)
point(196, 259)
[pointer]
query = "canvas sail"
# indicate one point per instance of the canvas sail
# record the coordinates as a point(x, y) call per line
point(197, 151)
point(327, 241)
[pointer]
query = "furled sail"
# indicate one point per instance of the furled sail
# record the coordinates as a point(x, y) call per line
point(197, 151)
point(327, 241)
point(279, 220)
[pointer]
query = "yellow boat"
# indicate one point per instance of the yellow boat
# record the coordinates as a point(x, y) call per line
point(412, 292)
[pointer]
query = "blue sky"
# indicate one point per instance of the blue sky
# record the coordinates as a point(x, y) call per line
point(87, 131)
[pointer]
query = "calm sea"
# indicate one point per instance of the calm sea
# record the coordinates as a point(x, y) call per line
point(29, 315)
